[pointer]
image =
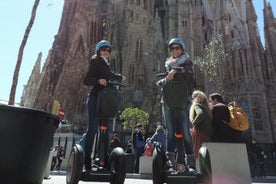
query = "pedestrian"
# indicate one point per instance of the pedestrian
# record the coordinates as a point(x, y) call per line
point(138, 145)
point(179, 67)
point(222, 132)
point(253, 164)
point(254, 160)
point(261, 159)
point(201, 118)
point(54, 157)
point(159, 137)
point(97, 76)
point(115, 142)
point(60, 157)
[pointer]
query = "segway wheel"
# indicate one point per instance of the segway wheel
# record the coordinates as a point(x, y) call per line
point(158, 166)
point(75, 164)
point(118, 166)
point(205, 165)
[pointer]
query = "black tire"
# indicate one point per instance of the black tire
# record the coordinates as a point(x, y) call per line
point(159, 166)
point(117, 163)
point(205, 164)
point(75, 164)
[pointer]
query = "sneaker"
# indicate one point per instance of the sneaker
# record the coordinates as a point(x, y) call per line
point(171, 169)
point(190, 170)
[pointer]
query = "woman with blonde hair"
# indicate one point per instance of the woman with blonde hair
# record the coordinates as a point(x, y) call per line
point(201, 119)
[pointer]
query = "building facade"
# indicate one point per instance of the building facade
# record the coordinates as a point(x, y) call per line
point(139, 31)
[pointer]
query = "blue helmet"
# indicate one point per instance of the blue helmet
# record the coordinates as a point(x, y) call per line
point(177, 41)
point(102, 43)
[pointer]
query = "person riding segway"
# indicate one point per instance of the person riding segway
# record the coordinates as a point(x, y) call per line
point(176, 89)
point(103, 104)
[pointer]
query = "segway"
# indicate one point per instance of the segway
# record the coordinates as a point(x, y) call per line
point(105, 167)
point(173, 97)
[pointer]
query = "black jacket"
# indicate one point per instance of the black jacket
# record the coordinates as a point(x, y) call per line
point(221, 131)
point(99, 69)
point(138, 139)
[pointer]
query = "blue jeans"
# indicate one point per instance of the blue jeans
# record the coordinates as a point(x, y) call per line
point(91, 130)
point(177, 122)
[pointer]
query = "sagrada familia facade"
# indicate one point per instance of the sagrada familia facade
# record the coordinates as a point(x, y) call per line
point(139, 31)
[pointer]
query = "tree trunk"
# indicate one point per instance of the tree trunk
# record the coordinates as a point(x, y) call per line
point(20, 53)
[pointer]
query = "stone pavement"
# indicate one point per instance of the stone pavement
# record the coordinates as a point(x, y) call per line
point(59, 177)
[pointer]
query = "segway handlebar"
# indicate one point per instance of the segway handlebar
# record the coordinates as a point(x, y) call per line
point(178, 70)
point(115, 83)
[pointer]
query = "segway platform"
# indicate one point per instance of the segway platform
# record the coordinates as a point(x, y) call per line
point(103, 176)
point(180, 178)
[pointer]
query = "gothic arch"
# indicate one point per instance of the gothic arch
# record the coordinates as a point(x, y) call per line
point(257, 115)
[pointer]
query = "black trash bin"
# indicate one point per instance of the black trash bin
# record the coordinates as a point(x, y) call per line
point(26, 136)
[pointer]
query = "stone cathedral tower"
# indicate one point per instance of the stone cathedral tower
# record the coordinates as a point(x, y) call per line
point(139, 31)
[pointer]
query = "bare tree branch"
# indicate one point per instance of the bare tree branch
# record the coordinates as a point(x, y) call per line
point(20, 53)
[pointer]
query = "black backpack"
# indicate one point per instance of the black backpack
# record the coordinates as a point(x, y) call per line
point(108, 102)
point(176, 92)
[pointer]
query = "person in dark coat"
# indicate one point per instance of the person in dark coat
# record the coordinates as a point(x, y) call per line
point(54, 159)
point(222, 132)
point(160, 137)
point(98, 75)
point(115, 142)
point(179, 67)
point(60, 157)
point(138, 145)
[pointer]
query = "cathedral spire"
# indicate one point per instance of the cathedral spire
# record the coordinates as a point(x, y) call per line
point(265, 3)
point(269, 27)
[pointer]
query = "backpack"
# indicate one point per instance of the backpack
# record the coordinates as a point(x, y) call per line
point(176, 94)
point(108, 102)
point(238, 119)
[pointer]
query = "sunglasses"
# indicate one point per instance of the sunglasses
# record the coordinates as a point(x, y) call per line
point(175, 48)
point(106, 50)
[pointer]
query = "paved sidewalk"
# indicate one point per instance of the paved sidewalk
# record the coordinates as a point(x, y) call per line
point(59, 177)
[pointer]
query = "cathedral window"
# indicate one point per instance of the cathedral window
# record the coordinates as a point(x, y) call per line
point(232, 34)
point(206, 36)
point(184, 23)
point(257, 118)
point(132, 74)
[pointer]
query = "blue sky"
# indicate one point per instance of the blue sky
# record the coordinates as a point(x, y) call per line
point(14, 17)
